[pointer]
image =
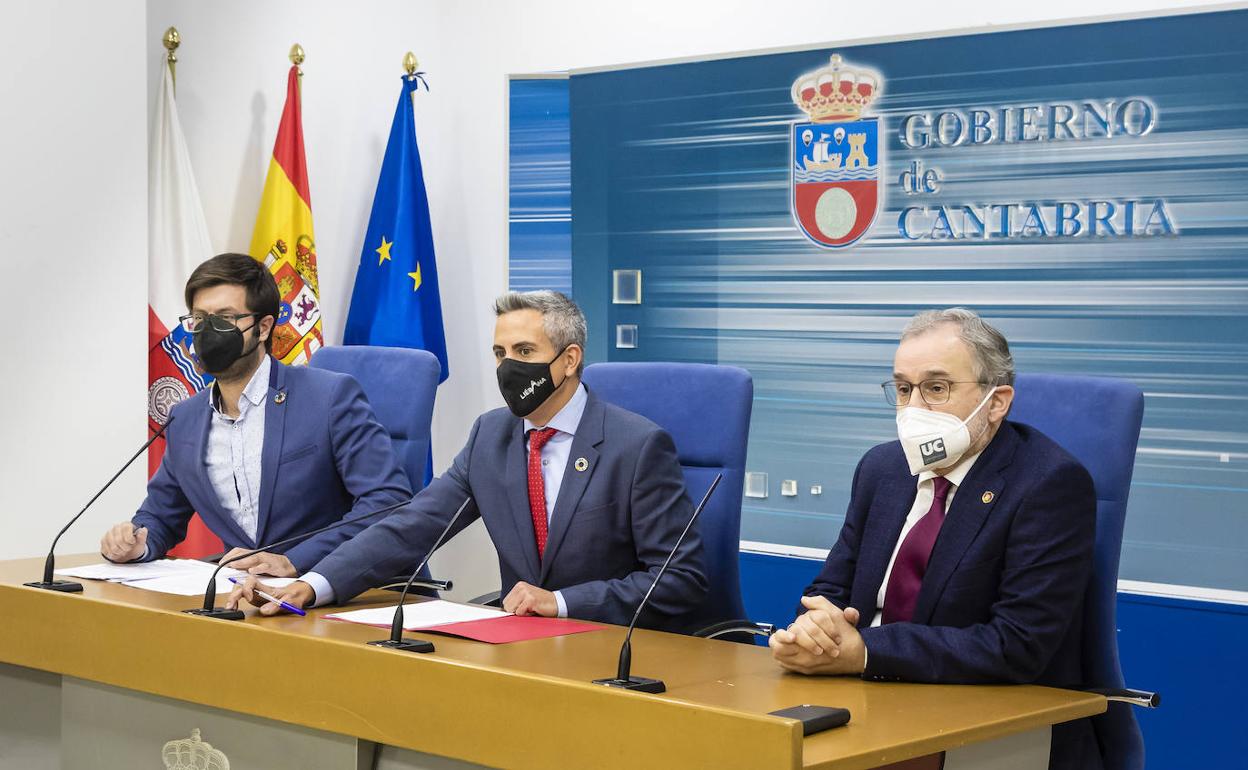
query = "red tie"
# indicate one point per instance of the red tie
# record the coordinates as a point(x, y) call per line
point(537, 486)
point(906, 578)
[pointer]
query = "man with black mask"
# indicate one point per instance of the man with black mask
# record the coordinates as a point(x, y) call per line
point(583, 500)
point(267, 451)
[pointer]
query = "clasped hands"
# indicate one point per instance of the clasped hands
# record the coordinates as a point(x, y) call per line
point(823, 640)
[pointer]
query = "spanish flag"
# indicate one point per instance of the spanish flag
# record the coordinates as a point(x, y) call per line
point(283, 238)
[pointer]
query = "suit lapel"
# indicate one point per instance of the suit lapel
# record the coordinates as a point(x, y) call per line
point(270, 456)
point(972, 504)
point(572, 488)
point(893, 502)
point(517, 486)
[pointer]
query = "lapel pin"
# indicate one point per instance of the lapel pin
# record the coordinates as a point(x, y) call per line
point(987, 497)
point(280, 397)
point(581, 464)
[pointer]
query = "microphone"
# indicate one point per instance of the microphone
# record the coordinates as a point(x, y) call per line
point(622, 679)
point(69, 586)
point(210, 609)
point(396, 640)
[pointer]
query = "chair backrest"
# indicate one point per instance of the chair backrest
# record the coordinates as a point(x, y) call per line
point(400, 384)
point(706, 410)
point(1098, 421)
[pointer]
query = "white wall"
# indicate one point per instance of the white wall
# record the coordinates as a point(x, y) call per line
point(73, 267)
point(231, 82)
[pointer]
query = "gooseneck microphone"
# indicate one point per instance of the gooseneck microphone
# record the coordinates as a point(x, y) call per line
point(396, 640)
point(210, 609)
point(69, 586)
point(622, 678)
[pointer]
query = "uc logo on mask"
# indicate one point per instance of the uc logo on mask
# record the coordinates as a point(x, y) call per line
point(933, 450)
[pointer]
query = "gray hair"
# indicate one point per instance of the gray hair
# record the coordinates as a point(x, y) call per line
point(561, 318)
point(994, 364)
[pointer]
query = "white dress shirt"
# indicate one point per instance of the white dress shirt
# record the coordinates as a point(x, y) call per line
point(555, 456)
point(922, 501)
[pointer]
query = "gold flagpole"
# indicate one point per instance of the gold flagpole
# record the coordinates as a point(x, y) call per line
point(172, 40)
point(410, 64)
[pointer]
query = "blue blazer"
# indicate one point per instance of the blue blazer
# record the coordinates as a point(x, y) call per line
point(1002, 599)
point(612, 527)
point(325, 458)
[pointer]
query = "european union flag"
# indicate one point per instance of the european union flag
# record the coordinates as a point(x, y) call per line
point(395, 301)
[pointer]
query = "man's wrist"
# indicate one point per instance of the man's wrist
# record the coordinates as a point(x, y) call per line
point(322, 591)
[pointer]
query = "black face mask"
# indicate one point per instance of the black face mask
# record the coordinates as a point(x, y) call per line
point(526, 385)
point(218, 350)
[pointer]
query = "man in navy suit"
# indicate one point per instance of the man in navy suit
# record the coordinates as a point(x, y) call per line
point(968, 543)
point(583, 500)
point(268, 451)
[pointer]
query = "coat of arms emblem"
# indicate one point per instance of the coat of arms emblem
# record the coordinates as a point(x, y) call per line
point(835, 155)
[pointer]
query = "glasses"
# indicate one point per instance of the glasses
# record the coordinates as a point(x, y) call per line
point(933, 392)
point(194, 323)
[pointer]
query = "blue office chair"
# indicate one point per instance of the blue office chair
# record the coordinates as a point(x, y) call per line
point(1098, 421)
point(706, 409)
point(400, 384)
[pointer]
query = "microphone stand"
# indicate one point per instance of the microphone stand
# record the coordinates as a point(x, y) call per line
point(49, 565)
point(622, 678)
point(396, 640)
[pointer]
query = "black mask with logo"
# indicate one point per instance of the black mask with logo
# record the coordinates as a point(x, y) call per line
point(526, 385)
point(217, 350)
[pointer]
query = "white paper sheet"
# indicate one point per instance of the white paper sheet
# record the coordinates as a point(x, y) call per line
point(194, 584)
point(138, 571)
point(185, 577)
point(420, 615)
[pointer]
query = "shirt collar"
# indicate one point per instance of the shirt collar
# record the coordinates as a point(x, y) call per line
point(257, 387)
point(957, 473)
point(566, 420)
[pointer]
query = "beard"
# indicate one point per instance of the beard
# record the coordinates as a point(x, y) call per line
point(245, 365)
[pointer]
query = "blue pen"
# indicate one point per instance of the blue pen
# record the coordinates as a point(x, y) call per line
point(274, 599)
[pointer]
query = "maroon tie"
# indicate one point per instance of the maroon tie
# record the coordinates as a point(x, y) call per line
point(537, 486)
point(911, 563)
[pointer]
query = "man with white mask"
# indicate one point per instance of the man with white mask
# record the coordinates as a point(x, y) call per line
point(968, 543)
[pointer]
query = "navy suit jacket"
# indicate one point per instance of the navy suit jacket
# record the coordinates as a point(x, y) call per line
point(612, 527)
point(325, 458)
point(1002, 598)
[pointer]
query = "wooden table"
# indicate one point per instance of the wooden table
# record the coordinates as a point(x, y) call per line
point(521, 705)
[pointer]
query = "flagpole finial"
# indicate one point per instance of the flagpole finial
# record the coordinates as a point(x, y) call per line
point(410, 64)
point(172, 40)
point(297, 56)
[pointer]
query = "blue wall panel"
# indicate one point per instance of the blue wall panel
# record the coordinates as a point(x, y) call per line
point(683, 171)
point(539, 186)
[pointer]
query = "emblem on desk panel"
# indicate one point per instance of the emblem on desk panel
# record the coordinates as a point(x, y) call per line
point(280, 398)
point(193, 754)
point(987, 497)
point(581, 464)
point(835, 156)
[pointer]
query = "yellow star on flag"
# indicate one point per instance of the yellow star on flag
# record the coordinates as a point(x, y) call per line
point(415, 277)
point(384, 251)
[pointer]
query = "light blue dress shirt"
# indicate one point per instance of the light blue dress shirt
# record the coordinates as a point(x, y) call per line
point(235, 446)
point(555, 456)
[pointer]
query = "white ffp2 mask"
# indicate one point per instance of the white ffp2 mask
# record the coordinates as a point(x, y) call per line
point(934, 440)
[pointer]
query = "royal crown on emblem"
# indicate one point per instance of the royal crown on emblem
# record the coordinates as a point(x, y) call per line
point(193, 754)
point(836, 92)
